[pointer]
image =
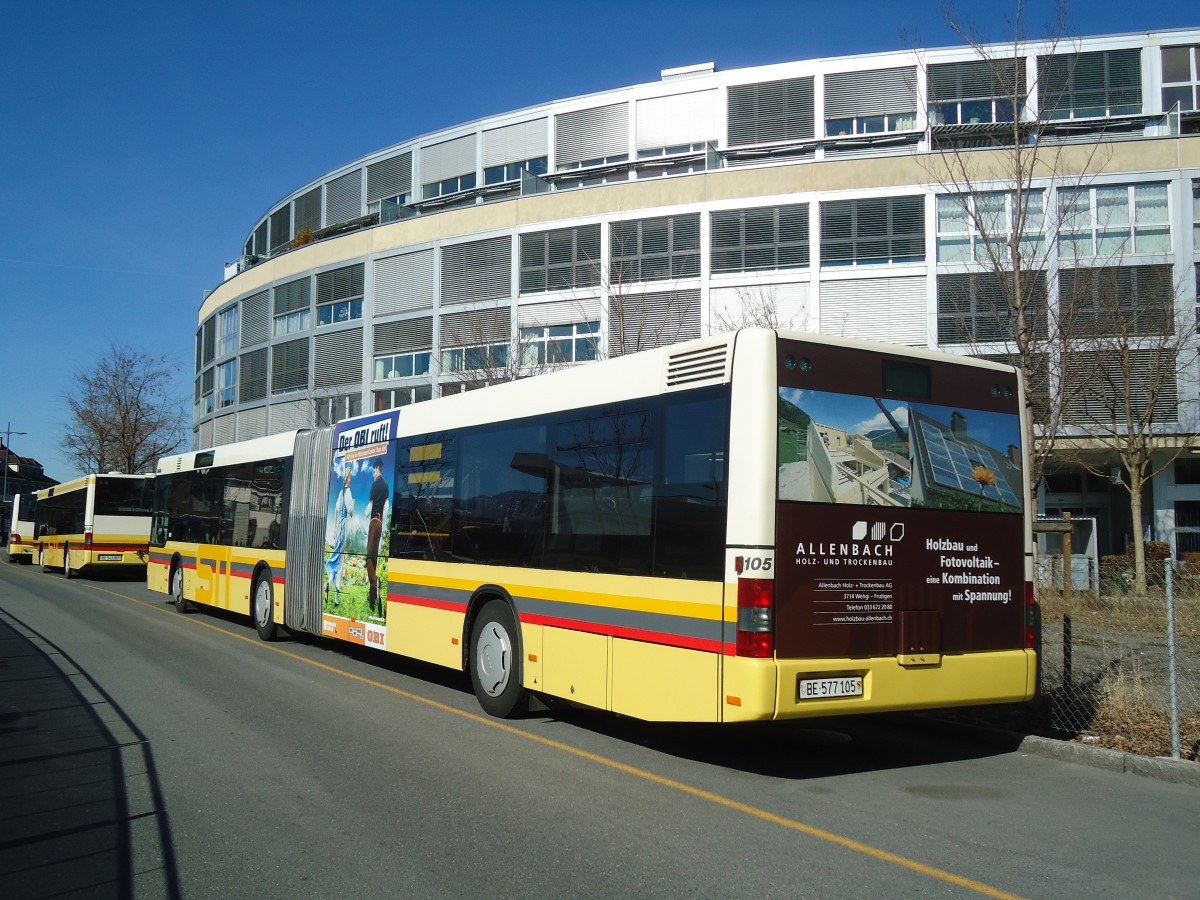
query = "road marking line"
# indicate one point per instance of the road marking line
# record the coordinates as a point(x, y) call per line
point(848, 843)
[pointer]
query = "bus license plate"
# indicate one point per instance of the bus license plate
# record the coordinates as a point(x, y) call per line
point(823, 688)
point(110, 557)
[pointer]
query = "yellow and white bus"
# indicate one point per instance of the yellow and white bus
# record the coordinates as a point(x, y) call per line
point(94, 522)
point(754, 526)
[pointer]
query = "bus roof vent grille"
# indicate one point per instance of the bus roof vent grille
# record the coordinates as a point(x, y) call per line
point(691, 367)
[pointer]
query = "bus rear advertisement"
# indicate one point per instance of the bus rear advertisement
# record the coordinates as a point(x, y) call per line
point(748, 527)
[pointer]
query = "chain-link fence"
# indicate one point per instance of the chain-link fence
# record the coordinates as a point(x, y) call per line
point(1120, 666)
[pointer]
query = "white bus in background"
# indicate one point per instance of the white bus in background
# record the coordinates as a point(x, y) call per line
point(21, 546)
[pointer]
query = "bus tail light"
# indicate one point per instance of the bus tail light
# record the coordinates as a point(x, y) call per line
point(756, 618)
point(87, 539)
point(1030, 617)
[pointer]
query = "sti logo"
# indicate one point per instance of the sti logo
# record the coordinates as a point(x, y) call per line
point(879, 531)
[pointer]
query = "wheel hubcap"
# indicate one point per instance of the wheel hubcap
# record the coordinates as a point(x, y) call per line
point(493, 659)
point(263, 606)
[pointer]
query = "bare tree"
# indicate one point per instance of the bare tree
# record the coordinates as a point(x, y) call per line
point(997, 163)
point(1130, 349)
point(125, 413)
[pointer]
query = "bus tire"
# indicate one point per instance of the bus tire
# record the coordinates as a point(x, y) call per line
point(262, 607)
point(66, 561)
point(182, 604)
point(495, 662)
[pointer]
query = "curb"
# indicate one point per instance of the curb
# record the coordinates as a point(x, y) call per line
point(1160, 768)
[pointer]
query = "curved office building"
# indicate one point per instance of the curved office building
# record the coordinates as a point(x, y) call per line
point(816, 195)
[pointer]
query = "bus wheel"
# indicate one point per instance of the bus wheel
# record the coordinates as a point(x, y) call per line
point(67, 561)
point(264, 608)
point(181, 602)
point(495, 662)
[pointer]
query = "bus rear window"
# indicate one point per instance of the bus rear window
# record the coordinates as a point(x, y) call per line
point(906, 379)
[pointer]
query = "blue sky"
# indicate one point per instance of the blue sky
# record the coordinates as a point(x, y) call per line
point(139, 142)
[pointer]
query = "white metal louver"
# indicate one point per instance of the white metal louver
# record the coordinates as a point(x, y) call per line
point(404, 336)
point(871, 93)
point(676, 119)
point(476, 326)
point(515, 143)
point(752, 305)
point(559, 312)
point(477, 270)
point(343, 198)
point(404, 283)
point(389, 177)
point(892, 310)
point(256, 319)
point(641, 321)
point(587, 134)
point(770, 112)
point(448, 159)
point(338, 358)
point(252, 423)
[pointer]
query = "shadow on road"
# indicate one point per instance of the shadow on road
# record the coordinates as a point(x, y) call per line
point(81, 809)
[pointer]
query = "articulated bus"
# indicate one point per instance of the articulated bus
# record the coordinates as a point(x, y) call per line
point(755, 526)
point(95, 522)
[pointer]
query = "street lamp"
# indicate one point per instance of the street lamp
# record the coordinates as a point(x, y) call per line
point(8, 433)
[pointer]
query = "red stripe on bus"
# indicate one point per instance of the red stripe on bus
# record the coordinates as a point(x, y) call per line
point(638, 634)
point(427, 602)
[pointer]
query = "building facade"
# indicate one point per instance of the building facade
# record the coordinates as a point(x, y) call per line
point(813, 195)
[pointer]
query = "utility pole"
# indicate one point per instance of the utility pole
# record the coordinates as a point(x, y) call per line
point(8, 433)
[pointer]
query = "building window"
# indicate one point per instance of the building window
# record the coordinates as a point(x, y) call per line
point(254, 376)
point(289, 367)
point(293, 313)
point(1135, 300)
point(227, 384)
point(331, 410)
point(977, 227)
point(1181, 78)
point(976, 92)
point(1112, 220)
point(447, 186)
point(1187, 529)
point(759, 240)
point(401, 396)
point(877, 101)
point(656, 249)
point(873, 231)
point(770, 112)
point(677, 150)
point(209, 339)
point(227, 332)
point(1091, 85)
point(551, 345)
point(512, 171)
point(402, 365)
point(1187, 470)
point(340, 295)
point(206, 392)
point(475, 357)
point(979, 308)
point(560, 260)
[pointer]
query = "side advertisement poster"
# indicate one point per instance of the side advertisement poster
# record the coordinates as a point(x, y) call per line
point(356, 536)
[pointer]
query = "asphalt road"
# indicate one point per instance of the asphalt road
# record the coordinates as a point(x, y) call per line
point(152, 754)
